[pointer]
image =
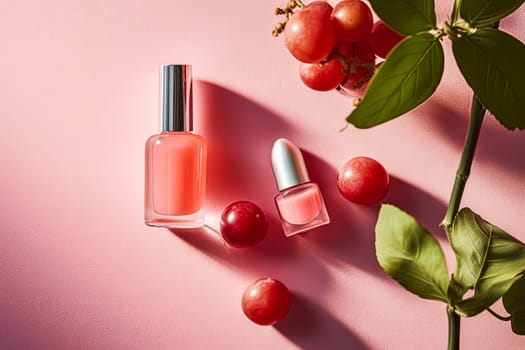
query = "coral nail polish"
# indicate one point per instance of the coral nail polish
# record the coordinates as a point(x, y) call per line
point(299, 202)
point(175, 179)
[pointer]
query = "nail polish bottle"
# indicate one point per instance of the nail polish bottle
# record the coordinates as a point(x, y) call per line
point(175, 179)
point(299, 202)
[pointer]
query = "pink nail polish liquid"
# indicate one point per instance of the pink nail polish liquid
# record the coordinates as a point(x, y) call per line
point(299, 202)
point(175, 178)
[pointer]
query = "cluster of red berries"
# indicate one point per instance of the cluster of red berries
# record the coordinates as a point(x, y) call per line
point(339, 47)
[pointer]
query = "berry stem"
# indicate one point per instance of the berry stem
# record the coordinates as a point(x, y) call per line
point(287, 12)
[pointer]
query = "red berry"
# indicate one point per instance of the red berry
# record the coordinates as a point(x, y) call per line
point(382, 39)
point(308, 35)
point(356, 52)
point(243, 224)
point(352, 20)
point(355, 84)
point(322, 76)
point(363, 180)
point(360, 67)
point(266, 301)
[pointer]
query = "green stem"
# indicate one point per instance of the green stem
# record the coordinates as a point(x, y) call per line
point(498, 316)
point(455, 11)
point(453, 329)
point(477, 113)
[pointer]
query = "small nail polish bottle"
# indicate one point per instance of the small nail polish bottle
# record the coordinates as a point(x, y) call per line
point(299, 202)
point(175, 179)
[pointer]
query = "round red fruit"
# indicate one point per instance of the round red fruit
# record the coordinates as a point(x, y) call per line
point(355, 84)
point(352, 20)
point(308, 35)
point(360, 67)
point(383, 39)
point(363, 180)
point(243, 224)
point(356, 52)
point(266, 301)
point(322, 76)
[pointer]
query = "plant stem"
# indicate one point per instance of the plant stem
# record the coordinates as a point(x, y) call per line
point(477, 113)
point(498, 316)
point(455, 11)
point(453, 329)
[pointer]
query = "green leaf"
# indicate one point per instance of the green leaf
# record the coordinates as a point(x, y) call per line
point(408, 76)
point(492, 63)
point(489, 260)
point(406, 16)
point(514, 302)
point(410, 254)
point(483, 299)
point(483, 13)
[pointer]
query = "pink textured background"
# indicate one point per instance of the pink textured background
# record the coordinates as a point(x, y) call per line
point(80, 270)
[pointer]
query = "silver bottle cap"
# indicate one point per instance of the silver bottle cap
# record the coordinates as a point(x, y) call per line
point(176, 97)
point(288, 164)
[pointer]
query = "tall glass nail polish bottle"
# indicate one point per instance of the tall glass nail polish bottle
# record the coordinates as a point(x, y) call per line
point(175, 179)
point(299, 202)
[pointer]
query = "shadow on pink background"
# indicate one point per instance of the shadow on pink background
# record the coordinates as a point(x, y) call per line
point(310, 327)
point(498, 147)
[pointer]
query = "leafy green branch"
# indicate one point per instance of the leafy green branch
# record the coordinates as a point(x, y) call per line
point(489, 59)
point(490, 262)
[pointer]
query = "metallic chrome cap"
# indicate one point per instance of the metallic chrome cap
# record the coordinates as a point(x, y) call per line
point(288, 164)
point(176, 97)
